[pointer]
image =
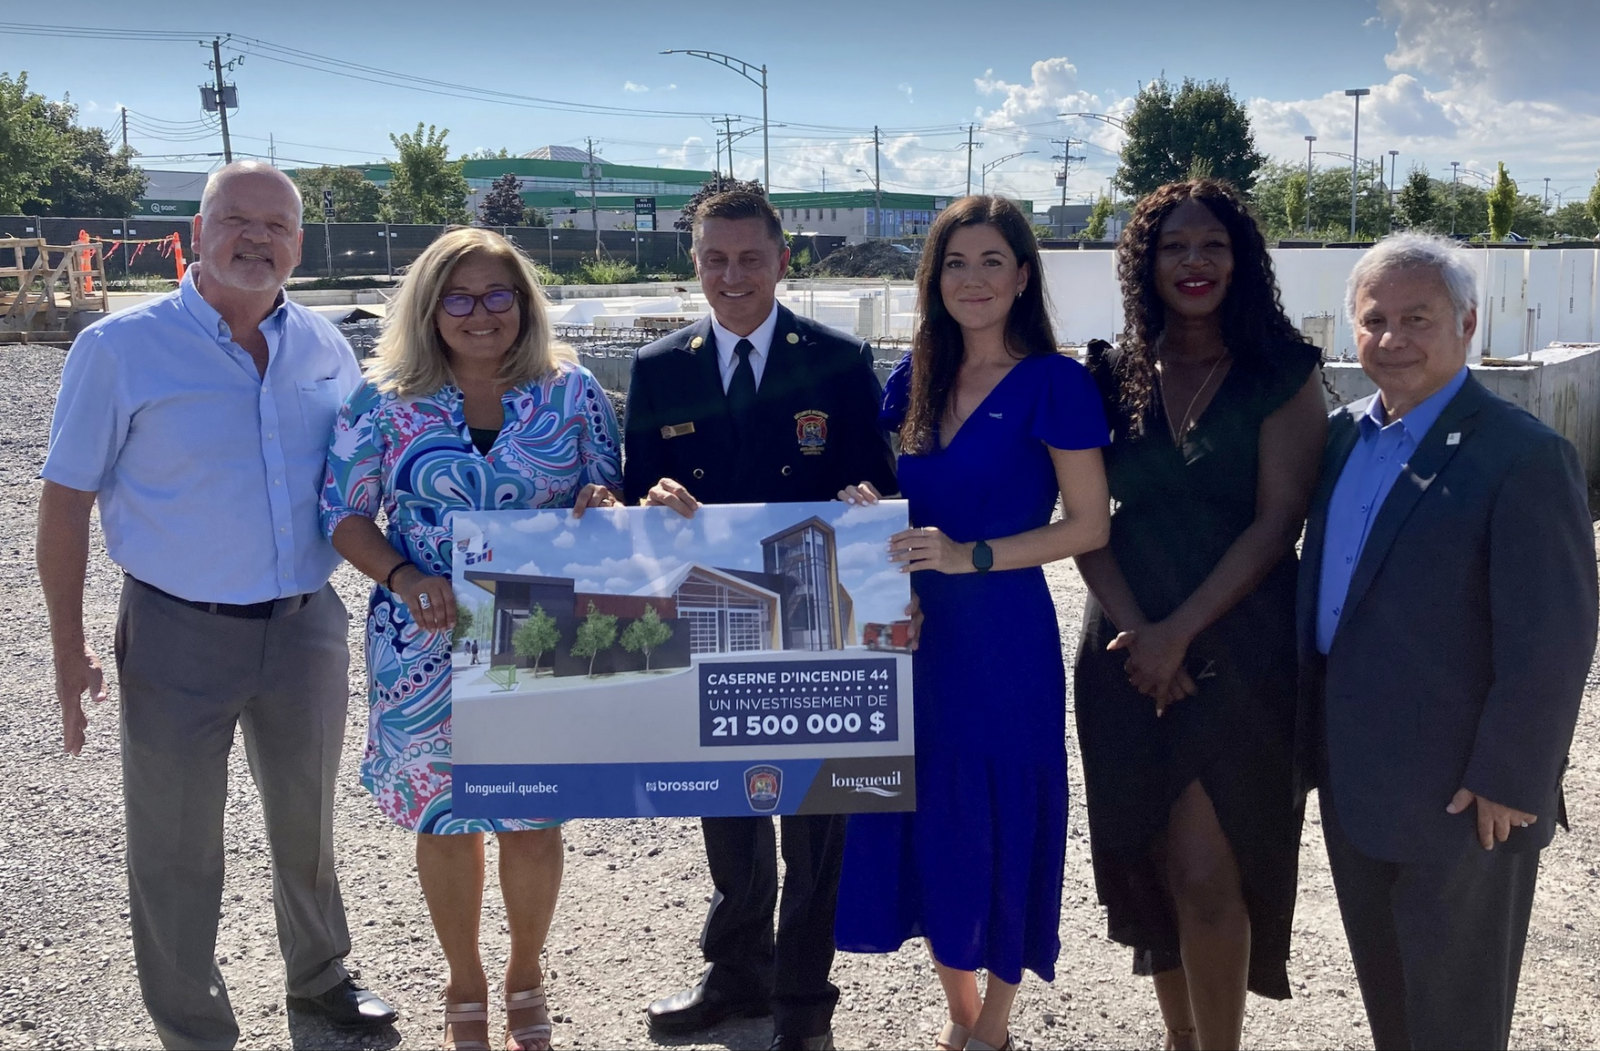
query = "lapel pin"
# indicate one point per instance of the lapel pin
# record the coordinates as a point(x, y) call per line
point(792, 338)
point(696, 342)
point(1453, 438)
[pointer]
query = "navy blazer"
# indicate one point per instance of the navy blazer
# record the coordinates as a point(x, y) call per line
point(1466, 636)
point(816, 419)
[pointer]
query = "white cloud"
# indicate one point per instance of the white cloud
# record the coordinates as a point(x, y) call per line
point(685, 540)
point(634, 89)
point(586, 584)
point(861, 553)
point(907, 91)
point(1479, 81)
point(889, 578)
point(719, 528)
point(1517, 50)
point(529, 569)
point(862, 514)
point(565, 540)
point(544, 522)
point(637, 568)
point(618, 583)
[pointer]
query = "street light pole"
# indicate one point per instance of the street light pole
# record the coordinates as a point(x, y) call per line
point(1455, 180)
point(1355, 152)
point(748, 71)
point(1310, 140)
point(983, 186)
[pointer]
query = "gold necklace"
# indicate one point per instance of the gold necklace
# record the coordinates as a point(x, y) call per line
point(1178, 433)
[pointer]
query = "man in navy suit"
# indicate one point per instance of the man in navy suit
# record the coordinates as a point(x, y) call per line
point(756, 405)
point(1447, 621)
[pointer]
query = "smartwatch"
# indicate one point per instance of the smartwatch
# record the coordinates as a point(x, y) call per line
point(982, 556)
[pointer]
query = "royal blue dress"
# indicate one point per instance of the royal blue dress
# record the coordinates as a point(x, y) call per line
point(977, 869)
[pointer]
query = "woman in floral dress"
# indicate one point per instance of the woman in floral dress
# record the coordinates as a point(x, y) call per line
point(469, 405)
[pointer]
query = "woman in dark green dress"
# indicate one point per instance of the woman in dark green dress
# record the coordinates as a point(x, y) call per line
point(1186, 675)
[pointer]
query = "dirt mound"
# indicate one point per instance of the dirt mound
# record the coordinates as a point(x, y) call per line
point(868, 259)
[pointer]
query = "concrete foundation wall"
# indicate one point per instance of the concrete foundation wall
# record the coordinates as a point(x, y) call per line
point(1561, 386)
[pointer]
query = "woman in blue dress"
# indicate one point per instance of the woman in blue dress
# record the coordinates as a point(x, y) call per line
point(470, 405)
point(994, 425)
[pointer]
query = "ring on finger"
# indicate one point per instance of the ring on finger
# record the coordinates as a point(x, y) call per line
point(424, 601)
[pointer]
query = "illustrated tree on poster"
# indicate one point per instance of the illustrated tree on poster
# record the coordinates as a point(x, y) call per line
point(595, 635)
point(537, 636)
point(463, 628)
point(648, 634)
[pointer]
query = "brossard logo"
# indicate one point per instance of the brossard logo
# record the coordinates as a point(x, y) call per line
point(885, 785)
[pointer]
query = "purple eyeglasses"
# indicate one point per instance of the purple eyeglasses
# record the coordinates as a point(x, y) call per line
point(459, 304)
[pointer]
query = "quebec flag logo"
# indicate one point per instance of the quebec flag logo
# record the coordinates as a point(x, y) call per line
point(472, 543)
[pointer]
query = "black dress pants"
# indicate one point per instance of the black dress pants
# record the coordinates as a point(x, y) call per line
point(1437, 946)
point(747, 962)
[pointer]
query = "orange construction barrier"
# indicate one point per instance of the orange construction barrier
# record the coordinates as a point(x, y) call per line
point(177, 253)
point(83, 262)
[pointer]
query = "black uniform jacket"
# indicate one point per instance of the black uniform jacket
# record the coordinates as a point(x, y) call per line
point(815, 428)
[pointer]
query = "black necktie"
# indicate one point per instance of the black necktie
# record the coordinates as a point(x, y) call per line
point(742, 388)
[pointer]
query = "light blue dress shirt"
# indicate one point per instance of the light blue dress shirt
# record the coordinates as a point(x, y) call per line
point(208, 473)
point(1380, 454)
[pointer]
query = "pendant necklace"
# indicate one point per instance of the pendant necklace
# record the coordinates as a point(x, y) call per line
point(1179, 432)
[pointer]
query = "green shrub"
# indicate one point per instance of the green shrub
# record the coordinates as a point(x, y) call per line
point(608, 272)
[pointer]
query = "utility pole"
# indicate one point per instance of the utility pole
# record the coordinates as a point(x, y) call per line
point(125, 146)
point(594, 197)
point(1066, 158)
point(727, 132)
point(877, 181)
point(222, 104)
point(1455, 178)
point(970, 144)
point(1546, 178)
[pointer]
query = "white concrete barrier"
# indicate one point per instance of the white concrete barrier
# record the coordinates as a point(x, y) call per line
point(1560, 385)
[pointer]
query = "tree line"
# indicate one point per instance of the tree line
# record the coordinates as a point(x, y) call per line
point(52, 165)
point(1200, 129)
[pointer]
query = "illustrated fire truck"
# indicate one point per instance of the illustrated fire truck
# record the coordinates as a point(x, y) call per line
point(896, 636)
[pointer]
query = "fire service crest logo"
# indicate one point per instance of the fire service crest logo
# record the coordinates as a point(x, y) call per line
point(763, 786)
point(811, 430)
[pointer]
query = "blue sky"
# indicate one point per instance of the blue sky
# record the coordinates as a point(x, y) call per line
point(621, 551)
point(1478, 81)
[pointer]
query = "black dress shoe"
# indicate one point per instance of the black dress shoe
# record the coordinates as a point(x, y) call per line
point(347, 1005)
point(701, 1007)
point(824, 1042)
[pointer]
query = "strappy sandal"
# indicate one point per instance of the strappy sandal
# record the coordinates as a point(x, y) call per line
point(979, 1045)
point(456, 1014)
point(952, 1037)
point(535, 1037)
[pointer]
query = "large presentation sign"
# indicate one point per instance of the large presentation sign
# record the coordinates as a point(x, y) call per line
point(752, 660)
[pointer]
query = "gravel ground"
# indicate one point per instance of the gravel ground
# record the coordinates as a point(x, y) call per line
point(635, 892)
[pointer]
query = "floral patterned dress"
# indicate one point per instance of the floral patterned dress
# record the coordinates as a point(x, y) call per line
point(413, 459)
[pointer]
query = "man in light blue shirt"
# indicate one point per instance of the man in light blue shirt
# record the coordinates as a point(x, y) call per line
point(200, 424)
point(1382, 450)
point(1446, 620)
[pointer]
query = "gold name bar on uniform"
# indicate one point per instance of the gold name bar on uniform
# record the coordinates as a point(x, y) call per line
point(677, 430)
